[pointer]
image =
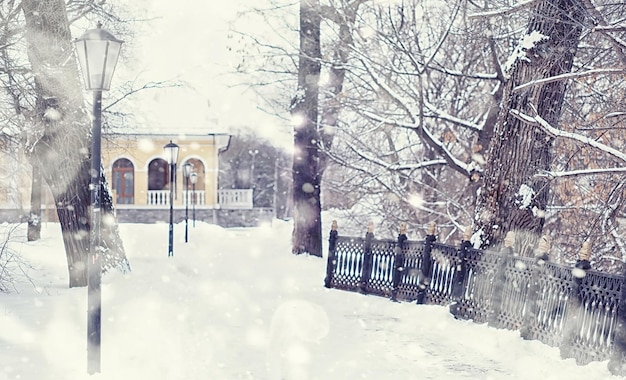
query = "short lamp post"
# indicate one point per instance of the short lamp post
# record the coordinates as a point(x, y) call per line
point(186, 172)
point(171, 155)
point(97, 51)
point(193, 177)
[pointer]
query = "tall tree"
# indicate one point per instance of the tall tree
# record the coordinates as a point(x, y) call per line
point(307, 231)
point(512, 198)
point(63, 151)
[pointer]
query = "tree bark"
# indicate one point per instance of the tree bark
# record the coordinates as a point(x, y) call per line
point(63, 153)
point(519, 150)
point(34, 216)
point(307, 232)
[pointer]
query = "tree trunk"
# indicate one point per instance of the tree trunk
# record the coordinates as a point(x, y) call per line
point(307, 232)
point(34, 216)
point(63, 152)
point(511, 198)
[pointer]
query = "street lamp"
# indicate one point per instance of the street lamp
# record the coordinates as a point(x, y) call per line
point(186, 172)
point(97, 51)
point(193, 177)
point(171, 155)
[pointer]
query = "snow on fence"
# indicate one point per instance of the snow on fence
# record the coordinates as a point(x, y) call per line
point(581, 311)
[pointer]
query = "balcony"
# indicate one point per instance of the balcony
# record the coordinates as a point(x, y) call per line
point(226, 199)
point(235, 199)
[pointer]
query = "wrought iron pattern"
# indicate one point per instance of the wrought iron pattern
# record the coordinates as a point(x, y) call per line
point(544, 301)
point(380, 279)
point(593, 317)
point(445, 262)
point(514, 286)
point(349, 263)
point(546, 319)
point(480, 270)
point(411, 275)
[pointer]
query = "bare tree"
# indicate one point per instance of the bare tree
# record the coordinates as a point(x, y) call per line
point(511, 197)
point(63, 150)
point(307, 231)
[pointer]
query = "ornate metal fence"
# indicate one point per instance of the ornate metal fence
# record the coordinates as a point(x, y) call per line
point(578, 310)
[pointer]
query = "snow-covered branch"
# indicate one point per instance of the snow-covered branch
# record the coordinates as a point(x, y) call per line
point(569, 76)
point(395, 166)
point(505, 11)
point(582, 172)
point(541, 122)
point(610, 28)
point(447, 117)
point(437, 145)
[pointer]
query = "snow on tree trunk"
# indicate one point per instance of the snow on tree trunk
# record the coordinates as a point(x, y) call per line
point(63, 150)
point(34, 216)
point(511, 198)
point(307, 231)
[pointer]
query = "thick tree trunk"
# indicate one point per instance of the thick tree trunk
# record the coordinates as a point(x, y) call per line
point(63, 151)
point(307, 232)
point(512, 198)
point(34, 216)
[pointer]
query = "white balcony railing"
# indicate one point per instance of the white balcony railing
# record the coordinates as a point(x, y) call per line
point(226, 199)
point(235, 198)
point(162, 197)
point(198, 195)
point(158, 197)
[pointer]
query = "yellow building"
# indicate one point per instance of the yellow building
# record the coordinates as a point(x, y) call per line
point(138, 173)
point(138, 177)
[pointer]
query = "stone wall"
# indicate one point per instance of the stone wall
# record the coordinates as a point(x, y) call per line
point(225, 218)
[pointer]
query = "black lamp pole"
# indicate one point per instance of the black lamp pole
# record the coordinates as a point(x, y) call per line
point(186, 172)
point(170, 249)
point(171, 153)
point(94, 264)
point(97, 51)
point(194, 179)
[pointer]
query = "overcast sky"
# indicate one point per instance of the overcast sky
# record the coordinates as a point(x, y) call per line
point(187, 41)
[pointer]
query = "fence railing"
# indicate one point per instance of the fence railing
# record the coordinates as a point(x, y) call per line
point(235, 198)
point(579, 310)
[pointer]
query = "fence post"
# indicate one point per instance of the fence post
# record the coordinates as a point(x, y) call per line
point(426, 266)
point(500, 279)
point(332, 260)
point(398, 262)
point(572, 327)
point(459, 274)
point(366, 270)
point(541, 256)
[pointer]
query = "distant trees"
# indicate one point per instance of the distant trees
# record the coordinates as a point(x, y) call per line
point(252, 162)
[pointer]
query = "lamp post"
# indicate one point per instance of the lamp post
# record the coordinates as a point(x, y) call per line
point(193, 177)
point(186, 172)
point(171, 155)
point(97, 51)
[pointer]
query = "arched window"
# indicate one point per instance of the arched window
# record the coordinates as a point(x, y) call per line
point(195, 193)
point(198, 168)
point(124, 181)
point(158, 175)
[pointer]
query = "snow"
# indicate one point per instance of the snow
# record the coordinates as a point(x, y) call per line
point(527, 42)
point(525, 195)
point(236, 304)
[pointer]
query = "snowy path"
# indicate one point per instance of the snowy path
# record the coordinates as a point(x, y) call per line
point(235, 304)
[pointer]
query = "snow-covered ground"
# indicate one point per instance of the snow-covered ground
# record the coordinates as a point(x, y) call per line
point(236, 304)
